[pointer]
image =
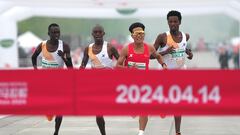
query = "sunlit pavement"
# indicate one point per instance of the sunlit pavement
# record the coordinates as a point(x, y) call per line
point(32, 125)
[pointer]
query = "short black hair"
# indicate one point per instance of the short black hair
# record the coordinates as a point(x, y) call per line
point(98, 25)
point(135, 25)
point(174, 13)
point(52, 25)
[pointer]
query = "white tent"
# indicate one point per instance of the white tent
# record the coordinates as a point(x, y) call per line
point(28, 40)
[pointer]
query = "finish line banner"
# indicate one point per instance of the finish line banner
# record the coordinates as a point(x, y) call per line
point(120, 92)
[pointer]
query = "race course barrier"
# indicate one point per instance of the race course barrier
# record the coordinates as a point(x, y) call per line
point(120, 92)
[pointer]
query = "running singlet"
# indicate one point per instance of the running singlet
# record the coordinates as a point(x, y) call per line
point(52, 59)
point(141, 61)
point(176, 59)
point(100, 60)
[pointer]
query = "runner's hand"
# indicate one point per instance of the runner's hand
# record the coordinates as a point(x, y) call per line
point(164, 66)
point(170, 50)
point(61, 54)
point(189, 53)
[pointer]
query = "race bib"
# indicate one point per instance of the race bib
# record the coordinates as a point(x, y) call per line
point(178, 57)
point(178, 54)
point(137, 65)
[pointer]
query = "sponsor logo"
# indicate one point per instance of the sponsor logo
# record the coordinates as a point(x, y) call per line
point(126, 11)
point(13, 93)
point(6, 43)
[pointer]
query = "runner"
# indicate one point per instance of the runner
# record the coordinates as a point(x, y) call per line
point(136, 55)
point(173, 47)
point(54, 53)
point(100, 53)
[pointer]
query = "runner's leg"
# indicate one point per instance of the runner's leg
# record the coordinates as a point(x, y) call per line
point(142, 124)
point(58, 121)
point(101, 124)
point(177, 124)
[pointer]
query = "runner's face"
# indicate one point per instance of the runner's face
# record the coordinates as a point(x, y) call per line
point(173, 23)
point(138, 35)
point(98, 33)
point(54, 33)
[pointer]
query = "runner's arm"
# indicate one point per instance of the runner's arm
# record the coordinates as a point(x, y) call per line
point(188, 51)
point(113, 51)
point(158, 56)
point(160, 42)
point(66, 56)
point(122, 57)
point(85, 58)
point(35, 55)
